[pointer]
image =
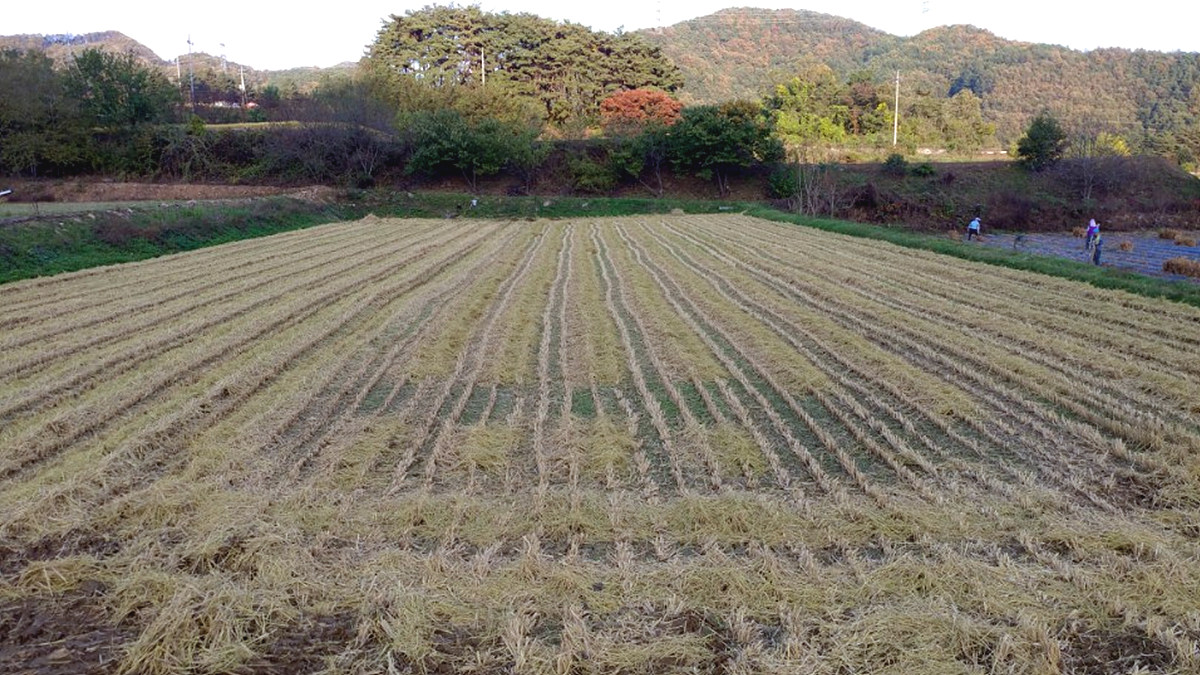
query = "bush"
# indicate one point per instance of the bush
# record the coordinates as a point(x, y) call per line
point(1125, 246)
point(783, 182)
point(895, 165)
point(1168, 233)
point(594, 176)
point(1183, 240)
point(925, 170)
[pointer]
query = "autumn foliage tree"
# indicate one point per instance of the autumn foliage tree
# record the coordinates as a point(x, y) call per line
point(632, 110)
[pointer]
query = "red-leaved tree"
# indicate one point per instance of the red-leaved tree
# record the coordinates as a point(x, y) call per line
point(632, 110)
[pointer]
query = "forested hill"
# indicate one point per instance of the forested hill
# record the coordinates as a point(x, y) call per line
point(61, 47)
point(744, 53)
point(216, 77)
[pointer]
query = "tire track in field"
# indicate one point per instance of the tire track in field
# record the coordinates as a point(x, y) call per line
point(663, 468)
point(83, 380)
point(850, 414)
point(835, 366)
point(466, 369)
point(150, 447)
point(329, 421)
point(659, 373)
point(1003, 401)
point(486, 346)
point(550, 361)
point(59, 437)
point(706, 327)
point(692, 432)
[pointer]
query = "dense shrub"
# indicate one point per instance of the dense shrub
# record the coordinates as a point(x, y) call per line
point(592, 175)
point(895, 165)
point(783, 182)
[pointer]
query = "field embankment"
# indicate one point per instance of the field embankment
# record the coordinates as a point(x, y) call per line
point(694, 443)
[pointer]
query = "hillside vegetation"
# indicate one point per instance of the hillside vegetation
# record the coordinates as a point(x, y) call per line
point(745, 53)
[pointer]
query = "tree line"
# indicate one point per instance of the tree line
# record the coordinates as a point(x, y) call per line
point(448, 92)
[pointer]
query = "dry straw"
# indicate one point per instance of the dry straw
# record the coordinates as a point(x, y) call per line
point(790, 452)
point(1181, 265)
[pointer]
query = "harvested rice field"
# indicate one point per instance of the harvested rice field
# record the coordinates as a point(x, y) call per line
point(661, 444)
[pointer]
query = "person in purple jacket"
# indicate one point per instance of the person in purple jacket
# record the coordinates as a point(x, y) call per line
point(1093, 229)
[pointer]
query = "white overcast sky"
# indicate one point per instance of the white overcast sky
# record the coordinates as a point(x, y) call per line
point(264, 35)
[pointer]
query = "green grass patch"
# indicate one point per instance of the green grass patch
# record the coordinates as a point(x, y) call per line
point(477, 403)
point(583, 404)
point(1100, 277)
point(694, 401)
point(51, 246)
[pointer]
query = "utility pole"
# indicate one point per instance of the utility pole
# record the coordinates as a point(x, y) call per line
point(191, 74)
point(896, 112)
point(223, 62)
point(242, 86)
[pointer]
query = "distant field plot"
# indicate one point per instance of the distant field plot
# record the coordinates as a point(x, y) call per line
point(634, 445)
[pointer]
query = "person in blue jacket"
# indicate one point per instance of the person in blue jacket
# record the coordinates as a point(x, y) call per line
point(973, 228)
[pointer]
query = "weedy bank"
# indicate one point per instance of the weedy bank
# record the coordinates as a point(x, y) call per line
point(660, 443)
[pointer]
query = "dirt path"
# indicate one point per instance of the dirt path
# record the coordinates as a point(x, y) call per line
point(111, 191)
